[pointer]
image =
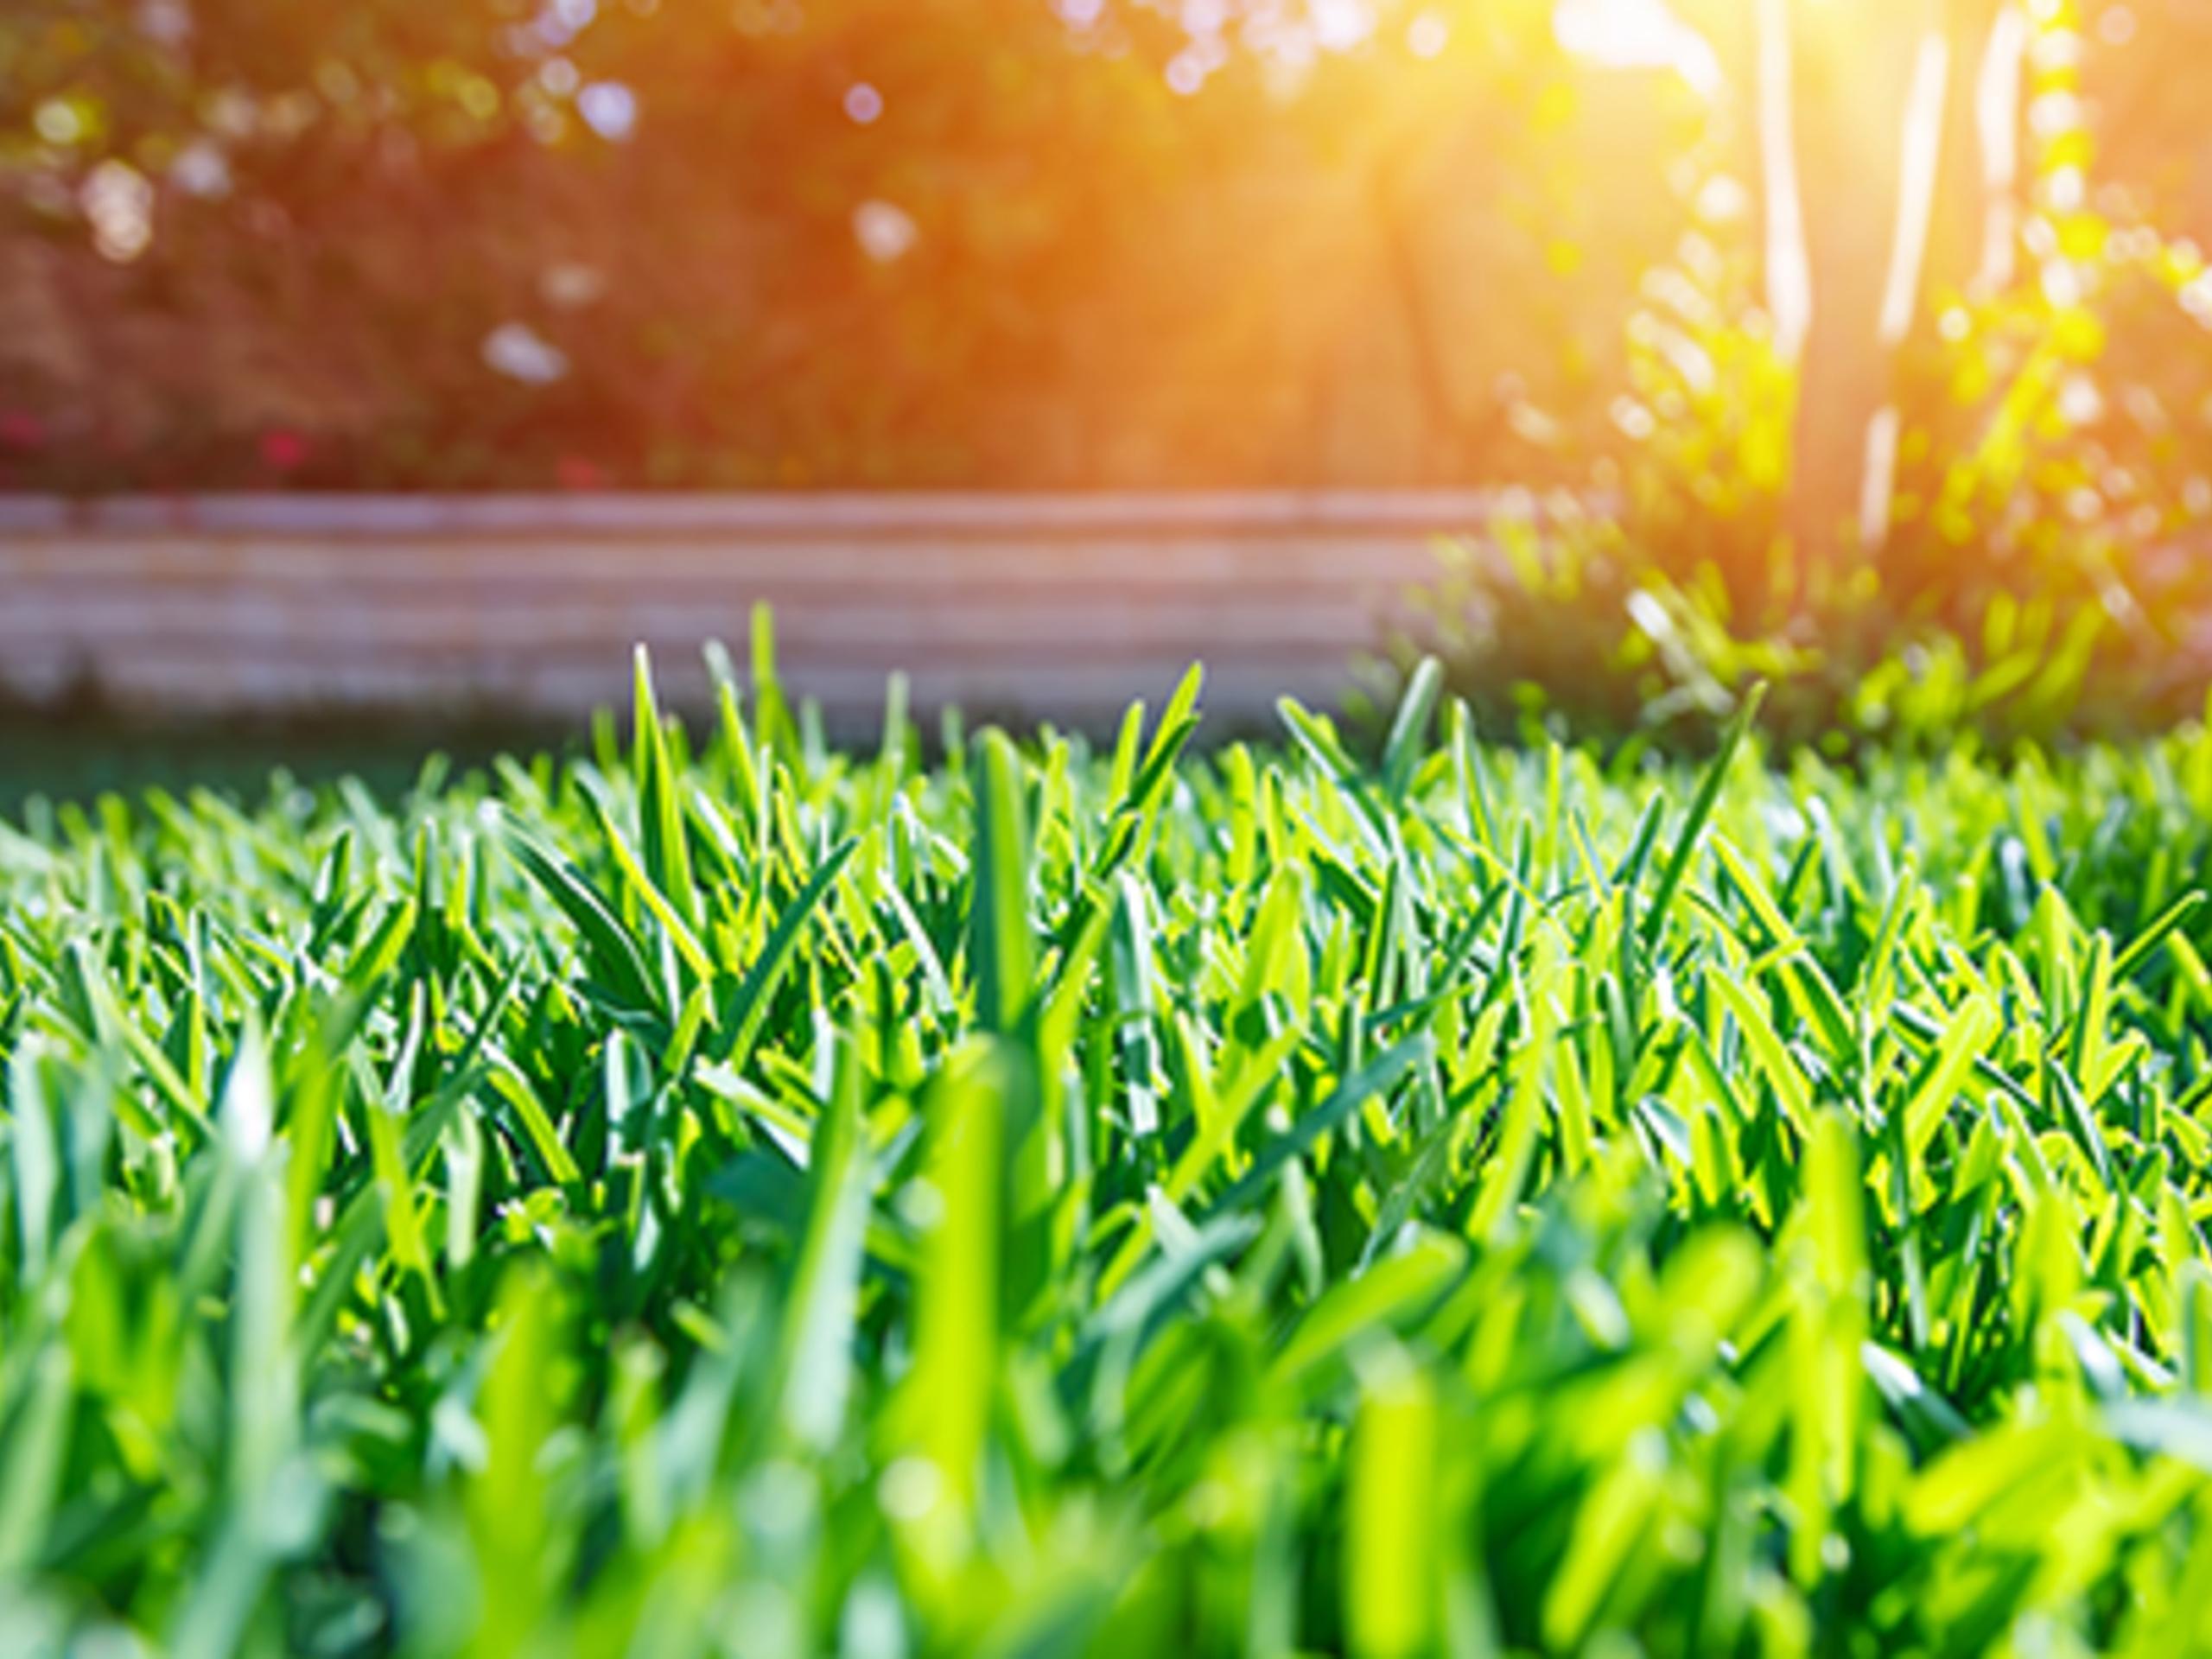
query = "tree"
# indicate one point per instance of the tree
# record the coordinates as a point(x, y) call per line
point(1887, 140)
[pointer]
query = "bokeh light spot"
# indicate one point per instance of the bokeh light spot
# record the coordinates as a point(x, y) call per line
point(886, 231)
point(609, 109)
point(118, 203)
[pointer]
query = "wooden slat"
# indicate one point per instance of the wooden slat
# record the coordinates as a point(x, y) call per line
point(898, 513)
point(1058, 608)
point(923, 562)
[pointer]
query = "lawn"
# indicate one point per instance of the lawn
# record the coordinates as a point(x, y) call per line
point(719, 1196)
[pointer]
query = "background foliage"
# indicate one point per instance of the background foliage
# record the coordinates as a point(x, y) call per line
point(848, 241)
point(2043, 573)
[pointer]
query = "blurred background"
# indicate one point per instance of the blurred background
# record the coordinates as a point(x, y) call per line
point(1859, 346)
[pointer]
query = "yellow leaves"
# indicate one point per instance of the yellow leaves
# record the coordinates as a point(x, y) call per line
point(1555, 106)
point(2077, 334)
point(2083, 236)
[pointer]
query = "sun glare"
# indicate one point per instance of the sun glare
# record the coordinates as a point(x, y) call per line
point(1637, 34)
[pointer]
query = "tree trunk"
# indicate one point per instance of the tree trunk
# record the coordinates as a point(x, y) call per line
point(1872, 145)
point(1853, 69)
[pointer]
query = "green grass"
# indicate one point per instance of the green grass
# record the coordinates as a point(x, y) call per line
point(724, 1196)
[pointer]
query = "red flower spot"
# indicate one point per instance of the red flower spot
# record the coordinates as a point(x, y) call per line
point(21, 429)
point(576, 473)
point(283, 449)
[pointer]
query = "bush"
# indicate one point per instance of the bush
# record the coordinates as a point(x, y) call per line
point(2043, 573)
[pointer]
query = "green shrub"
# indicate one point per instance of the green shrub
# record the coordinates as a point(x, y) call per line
point(2041, 574)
